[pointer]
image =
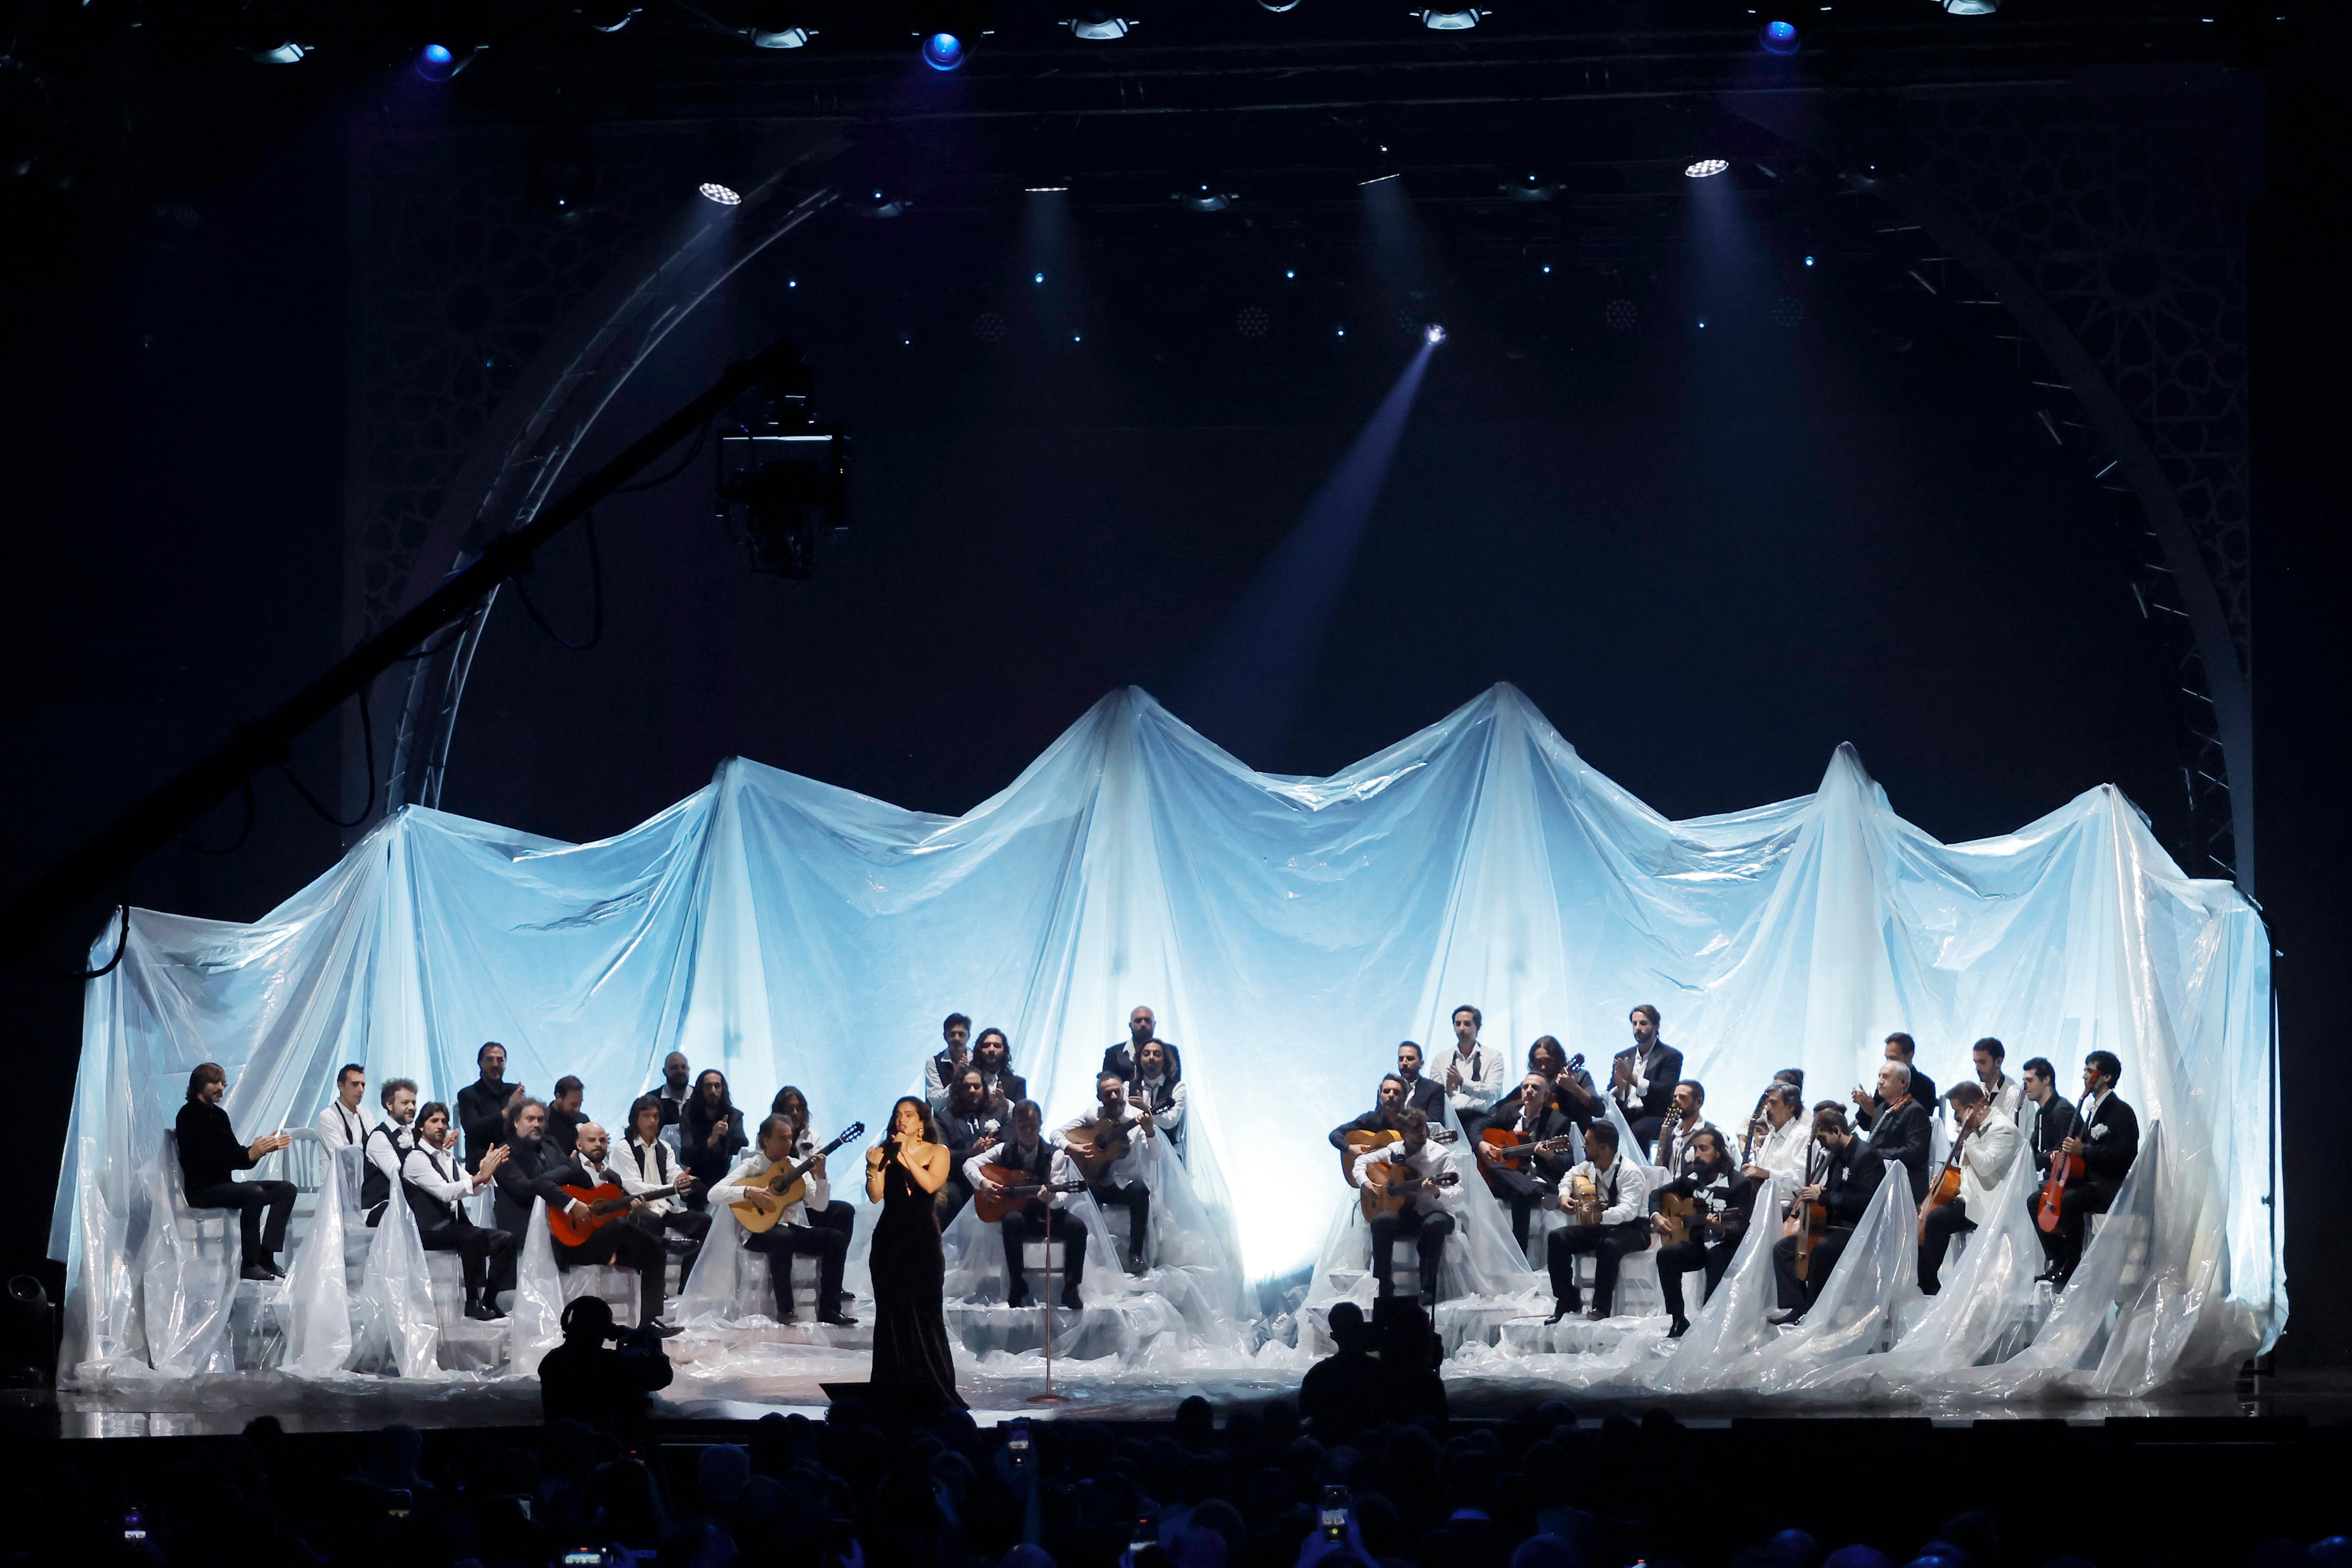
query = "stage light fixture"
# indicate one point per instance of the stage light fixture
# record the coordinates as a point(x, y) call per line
point(1533, 188)
point(1045, 190)
point(1036, 277)
point(1449, 21)
point(1778, 37)
point(880, 201)
point(1380, 179)
point(1979, 8)
point(1204, 198)
point(1278, 7)
point(725, 196)
point(1705, 169)
point(435, 63)
point(286, 54)
point(1100, 23)
point(943, 52)
point(1433, 334)
point(1809, 262)
point(606, 15)
point(781, 38)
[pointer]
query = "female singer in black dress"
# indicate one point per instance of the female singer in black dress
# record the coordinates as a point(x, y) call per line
point(910, 1331)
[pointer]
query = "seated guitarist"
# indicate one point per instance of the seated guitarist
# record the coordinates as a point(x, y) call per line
point(1381, 1118)
point(1725, 1197)
point(437, 1186)
point(1847, 1184)
point(1607, 1200)
point(1987, 1142)
point(2106, 1139)
point(1045, 1215)
point(793, 1234)
point(647, 1169)
point(1426, 1217)
point(536, 1169)
point(1120, 1182)
point(1535, 1116)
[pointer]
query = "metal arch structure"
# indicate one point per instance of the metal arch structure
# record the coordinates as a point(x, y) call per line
point(543, 422)
point(2226, 687)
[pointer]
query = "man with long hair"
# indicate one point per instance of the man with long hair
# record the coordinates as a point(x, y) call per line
point(793, 1234)
point(210, 1155)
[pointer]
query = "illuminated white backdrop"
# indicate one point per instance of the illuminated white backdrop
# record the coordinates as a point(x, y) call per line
point(1288, 932)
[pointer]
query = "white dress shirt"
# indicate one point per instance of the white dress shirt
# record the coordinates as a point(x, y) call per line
point(645, 1168)
point(1433, 1160)
point(746, 1176)
point(1624, 1189)
point(1060, 1169)
point(1985, 1159)
point(341, 1128)
point(387, 1152)
point(1783, 1151)
point(2007, 1094)
point(819, 1189)
point(1482, 1077)
point(1673, 1152)
point(440, 1174)
point(1170, 1116)
point(1127, 1167)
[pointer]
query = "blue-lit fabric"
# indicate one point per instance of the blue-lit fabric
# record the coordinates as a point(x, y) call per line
point(1288, 932)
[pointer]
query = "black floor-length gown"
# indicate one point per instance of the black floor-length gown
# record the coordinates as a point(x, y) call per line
point(910, 1330)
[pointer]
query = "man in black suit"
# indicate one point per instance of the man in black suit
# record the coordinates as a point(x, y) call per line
point(2046, 1118)
point(2108, 1141)
point(1643, 1076)
point(536, 1169)
point(1122, 1057)
point(1900, 1047)
point(1422, 1094)
point(1847, 1184)
point(1381, 1118)
point(482, 1104)
point(1899, 1133)
point(1523, 1182)
point(210, 1154)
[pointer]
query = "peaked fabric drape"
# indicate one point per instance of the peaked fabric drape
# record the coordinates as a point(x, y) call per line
point(1288, 933)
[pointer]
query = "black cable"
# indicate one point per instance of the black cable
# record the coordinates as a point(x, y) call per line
point(122, 942)
point(367, 738)
point(596, 586)
point(683, 464)
point(235, 844)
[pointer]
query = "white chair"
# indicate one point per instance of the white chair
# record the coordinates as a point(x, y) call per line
point(755, 1292)
point(208, 1242)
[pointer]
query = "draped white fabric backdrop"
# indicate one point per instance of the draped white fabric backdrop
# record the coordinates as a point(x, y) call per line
point(1288, 933)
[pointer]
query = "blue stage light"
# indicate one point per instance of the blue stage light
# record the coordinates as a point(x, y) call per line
point(435, 63)
point(1809, 262)
point(1036, 277)
point(943, 52)
point(1778, 38)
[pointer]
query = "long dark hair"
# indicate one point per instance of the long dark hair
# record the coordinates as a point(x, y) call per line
point(922, 1108)
point(638, 1108)
point(1001, 1035)
point(694, 1120)
point(1175, 1061)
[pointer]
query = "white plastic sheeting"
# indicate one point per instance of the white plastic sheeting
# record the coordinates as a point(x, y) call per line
point(1288, 932)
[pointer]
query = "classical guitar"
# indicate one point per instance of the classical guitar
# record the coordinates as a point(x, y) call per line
point(1810, 1223)
point(1389, 1187)
point(607, 1203)
point(1502, 1144)
point(1356, 1146)
point(1679, 1214)
point(2063, 1168)
point(785, 1182)
point(1018, 1190)
point(1095, 1147)
point(1948, 1180)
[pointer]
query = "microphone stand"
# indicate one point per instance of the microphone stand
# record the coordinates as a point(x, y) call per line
point(1045, 1301)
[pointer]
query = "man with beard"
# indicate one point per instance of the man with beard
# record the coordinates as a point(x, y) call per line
point(482, 1105)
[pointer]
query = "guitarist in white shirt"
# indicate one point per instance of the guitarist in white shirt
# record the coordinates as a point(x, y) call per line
point(1986, 1142)
point(1121, 1184)
point(1427, 1217)
point(792, 1235)
point(648, 1168)
point(1041, 1216)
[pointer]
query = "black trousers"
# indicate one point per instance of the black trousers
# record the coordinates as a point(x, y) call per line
point(624, 1247)
point(1035, 1222)
point(829, 1245)
point(1935, 1233)
point(474, 1246)
point(1795, 1292)
point(1691, 1258)
point(695, 1227)
point(1427, 1232)
point(1515, 1187)
point(2064, 1246)
point(250, 1198)
point(1136, 1198)
point(1610, 1246)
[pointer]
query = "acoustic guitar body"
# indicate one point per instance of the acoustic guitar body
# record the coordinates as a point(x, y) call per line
point(1499, 1138)
point(1095, 1148)
point(2063, 1168)
point(1387, 1188)
point(1945, 1190)
point(1811, 1222)
point(605, 1203)
point(1677, 1211)
point(1021, 1190)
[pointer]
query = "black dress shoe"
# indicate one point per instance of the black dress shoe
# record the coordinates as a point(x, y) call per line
point(261, 1272)
point(482, 1312)
point(665, 1330)
point(836, 1319)
point(1020, 1298)
point(1070, 1299)
point(1562, 1309)
point(1681, 1327)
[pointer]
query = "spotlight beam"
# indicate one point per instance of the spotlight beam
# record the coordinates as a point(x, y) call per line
point(1245, 685)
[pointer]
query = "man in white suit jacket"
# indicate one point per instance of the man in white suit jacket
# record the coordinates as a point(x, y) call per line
point(1988, 1150)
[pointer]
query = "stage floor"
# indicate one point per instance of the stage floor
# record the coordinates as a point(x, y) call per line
point(209, 1406)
